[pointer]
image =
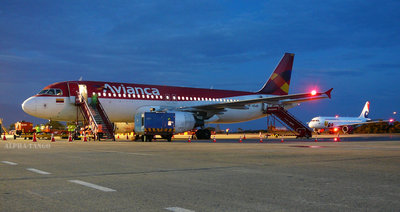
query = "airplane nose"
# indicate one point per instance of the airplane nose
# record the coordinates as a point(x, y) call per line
point(29, 106)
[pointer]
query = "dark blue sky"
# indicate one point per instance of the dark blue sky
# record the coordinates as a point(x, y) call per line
point(352, 46)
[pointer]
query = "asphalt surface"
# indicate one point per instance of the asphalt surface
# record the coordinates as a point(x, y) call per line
point(356, 174)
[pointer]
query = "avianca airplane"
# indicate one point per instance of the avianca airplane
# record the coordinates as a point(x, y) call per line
point(346, 124)
point(193, 107)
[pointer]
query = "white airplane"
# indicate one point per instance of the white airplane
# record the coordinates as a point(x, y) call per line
point(193, 107)
point(346, 124)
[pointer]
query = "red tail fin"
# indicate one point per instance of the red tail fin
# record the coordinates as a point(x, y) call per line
point(279, 81)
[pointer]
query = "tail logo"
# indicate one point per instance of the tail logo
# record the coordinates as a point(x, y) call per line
point(279, 81)
point(282, 80)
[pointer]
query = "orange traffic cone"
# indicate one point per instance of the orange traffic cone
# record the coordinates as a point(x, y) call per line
point(244, 136)
point(261, 140)
point(214, 140)
point(69, 138)
point(84, 137)
point(316, 140)
point(189, 140)
point(4, 137)
point(34, 137)
point(282, 140)
point(52, 138)
point(127, 136)
point(240, 139)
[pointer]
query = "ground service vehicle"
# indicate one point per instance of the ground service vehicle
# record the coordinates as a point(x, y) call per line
point(24, 128)
point(149, 124)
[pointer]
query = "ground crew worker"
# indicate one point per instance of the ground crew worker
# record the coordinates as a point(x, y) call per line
point(94, 99)
point(38, 130)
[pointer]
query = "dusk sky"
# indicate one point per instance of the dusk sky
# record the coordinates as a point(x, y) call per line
point(351, 46)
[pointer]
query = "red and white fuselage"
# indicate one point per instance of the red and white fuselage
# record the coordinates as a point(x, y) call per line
point(122, 101)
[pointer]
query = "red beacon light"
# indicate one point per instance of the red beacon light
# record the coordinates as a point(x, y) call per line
point(313, 92)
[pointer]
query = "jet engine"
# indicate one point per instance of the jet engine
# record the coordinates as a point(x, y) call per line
point(347, 129)
point(184, 121)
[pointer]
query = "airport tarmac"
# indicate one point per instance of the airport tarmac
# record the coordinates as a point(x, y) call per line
point(356, 174)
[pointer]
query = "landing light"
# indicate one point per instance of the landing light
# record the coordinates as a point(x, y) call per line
point(313, 92)
point(335, 129)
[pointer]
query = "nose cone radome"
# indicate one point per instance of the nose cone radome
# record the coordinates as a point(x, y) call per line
point(29, 106)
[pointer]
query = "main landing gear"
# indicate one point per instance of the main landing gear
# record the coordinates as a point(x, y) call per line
point(203, 134)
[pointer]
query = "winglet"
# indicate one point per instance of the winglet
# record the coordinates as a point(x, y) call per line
point(328, 93)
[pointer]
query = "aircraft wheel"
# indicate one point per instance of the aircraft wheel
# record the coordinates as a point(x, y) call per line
point(203, 134)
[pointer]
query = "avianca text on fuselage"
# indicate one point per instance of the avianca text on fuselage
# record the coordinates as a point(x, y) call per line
point(121, 89)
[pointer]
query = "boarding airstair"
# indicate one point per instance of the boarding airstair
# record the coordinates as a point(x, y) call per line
point(95, 115)
point(300, 129)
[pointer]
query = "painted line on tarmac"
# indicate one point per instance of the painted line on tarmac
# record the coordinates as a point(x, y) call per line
point(91, 185)
point(9, 163)
point(133, 153)
point(130, 153)
point(37, 171)
point(178, 209)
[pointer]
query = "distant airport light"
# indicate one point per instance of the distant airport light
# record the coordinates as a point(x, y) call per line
point(394, 113)
point(391, 120)
point(313, 92)
point(337, 116)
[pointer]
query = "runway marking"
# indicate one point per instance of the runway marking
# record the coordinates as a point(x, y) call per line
point(178, 209)
point(37, 171)
point(91, 185)
point(9, 163)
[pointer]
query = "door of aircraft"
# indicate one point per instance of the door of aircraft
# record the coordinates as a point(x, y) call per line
point(73, 90)
point(83, 91)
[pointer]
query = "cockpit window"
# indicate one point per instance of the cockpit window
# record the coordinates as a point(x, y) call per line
point(51, 91)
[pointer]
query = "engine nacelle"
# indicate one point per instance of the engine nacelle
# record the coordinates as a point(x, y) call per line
point(184, 121)
point(347, 129)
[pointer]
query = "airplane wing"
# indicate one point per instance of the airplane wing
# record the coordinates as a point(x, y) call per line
point(279, 100)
